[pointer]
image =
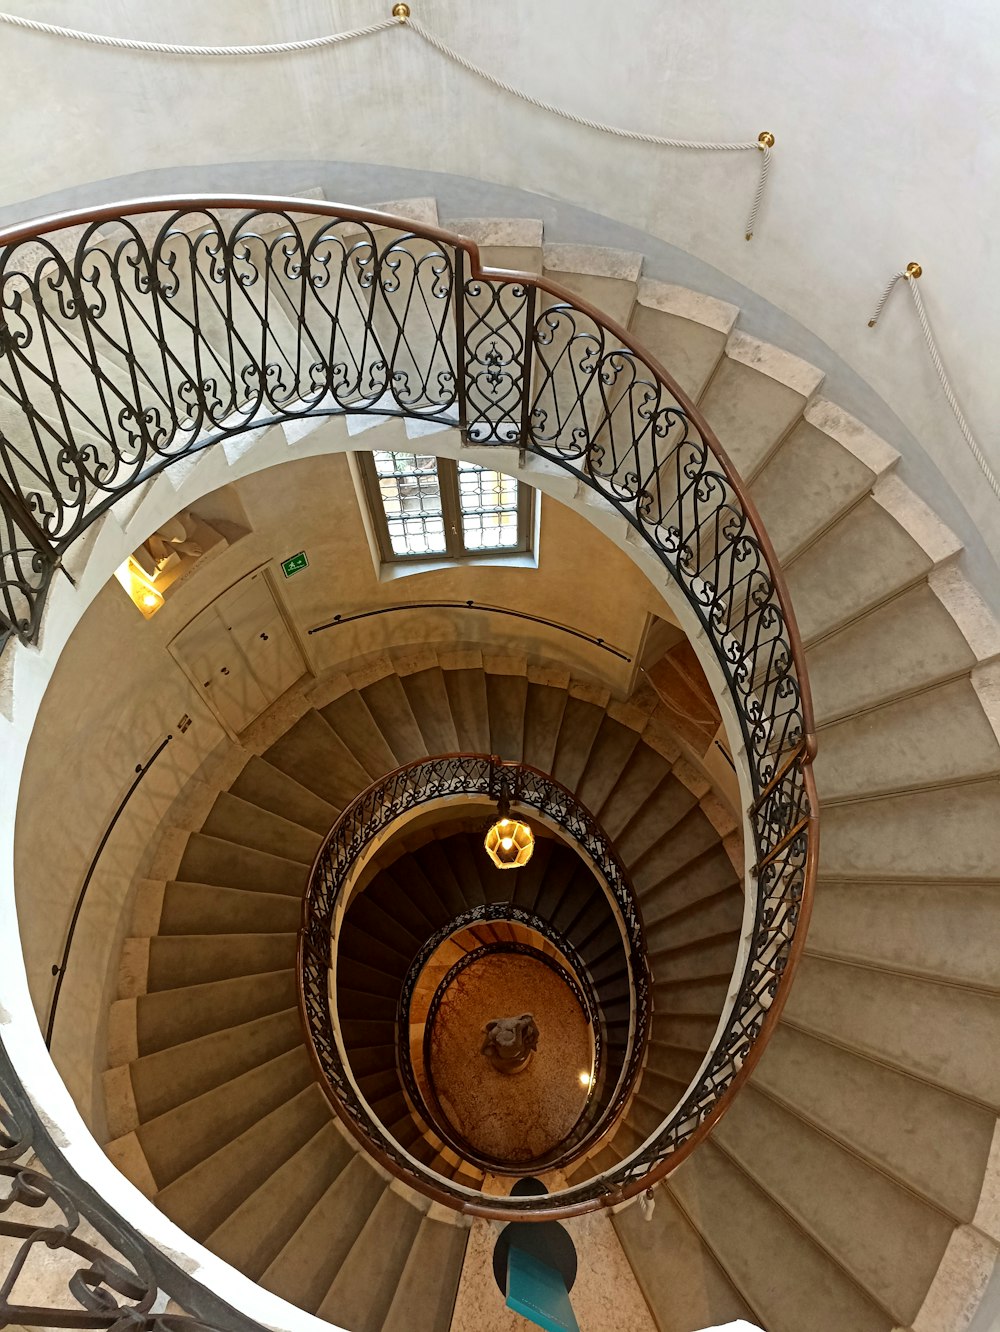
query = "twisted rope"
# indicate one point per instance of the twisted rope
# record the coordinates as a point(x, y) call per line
point(938, 363)
point(636, 136)
point(761, 145)
point(171, 48)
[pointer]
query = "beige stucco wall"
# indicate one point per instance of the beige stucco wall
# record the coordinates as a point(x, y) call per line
point(116, 692)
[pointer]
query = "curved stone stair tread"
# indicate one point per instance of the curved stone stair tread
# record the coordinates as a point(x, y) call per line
point(874, 923)
point(680, 1279)
point(428, 698)
point(751, 411)
point(207, 908)
point(214, 860)
point(253, 1235)
point(179, 961)
point(946, 833)
point(232, 818)
point(176, 1141)
point(348, 717)
point(876, 632)
point(907, 744)
point(361, 1293)
point(466, 688)
point(390, 708)
point(908, 1024)
point(874, 559)
point(262, 784)
point(878, 657)
point(826, 478)
point(164, 1018)
point(887, 1239)
point(164, 1080)
point(204, 1197)
point(784, 1276)
point(888, 1117)
point(426, 1288)
point(304, 1269)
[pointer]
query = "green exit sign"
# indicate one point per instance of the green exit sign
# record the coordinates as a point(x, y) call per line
point(294, 564)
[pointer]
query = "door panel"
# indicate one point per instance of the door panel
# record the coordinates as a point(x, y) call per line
point(240, 652)
point(259, 630)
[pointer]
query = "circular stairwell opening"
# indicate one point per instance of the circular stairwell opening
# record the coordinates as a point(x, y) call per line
point(503, 1035)
point(487, 1038)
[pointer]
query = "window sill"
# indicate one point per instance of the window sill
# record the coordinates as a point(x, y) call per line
point(522, 559)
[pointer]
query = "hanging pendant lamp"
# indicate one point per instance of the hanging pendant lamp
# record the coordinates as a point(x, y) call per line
point(509, 842)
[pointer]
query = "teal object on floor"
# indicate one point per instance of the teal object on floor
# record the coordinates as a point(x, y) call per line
point(537, 1292)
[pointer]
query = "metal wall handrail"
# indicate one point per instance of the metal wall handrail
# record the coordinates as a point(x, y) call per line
point(469, 604)
point(59, 968)
point(193, 319)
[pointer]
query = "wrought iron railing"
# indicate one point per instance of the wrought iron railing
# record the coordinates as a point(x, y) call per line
point(66, 1258)
point(347, 846)
point(142, 333)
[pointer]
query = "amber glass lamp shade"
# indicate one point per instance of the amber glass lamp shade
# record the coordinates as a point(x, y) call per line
point(509, 843)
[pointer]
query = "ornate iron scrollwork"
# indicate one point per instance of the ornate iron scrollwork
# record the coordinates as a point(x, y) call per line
point(56, 1252)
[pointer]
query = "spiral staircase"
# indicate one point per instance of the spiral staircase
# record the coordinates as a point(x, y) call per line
point(844, 1187)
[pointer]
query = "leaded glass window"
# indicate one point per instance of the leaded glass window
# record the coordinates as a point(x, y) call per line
point(434, 508)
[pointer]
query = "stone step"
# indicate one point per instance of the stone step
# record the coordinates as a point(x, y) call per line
point(232, 865)
point(182, 960)
point(304, 1270)
point(362, 1292)
point(167, 1017)
point(425, 1290)
point(234, 819)
point(889, 1241)
point(206, 1195)
point(887, 1117)
point(260, 783)
point(175, 1142)
point(743, 1228)
point(163, 1081)
point(253, 1235)
point(204, 908)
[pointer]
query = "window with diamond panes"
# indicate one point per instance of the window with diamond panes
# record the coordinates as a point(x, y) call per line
point(434, 508)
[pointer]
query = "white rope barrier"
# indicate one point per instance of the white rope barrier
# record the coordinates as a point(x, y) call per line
point(909, 275)
point(171, 48)
point(762, 144)
point(401, 17)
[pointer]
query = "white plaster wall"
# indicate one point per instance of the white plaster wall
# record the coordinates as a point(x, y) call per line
point(888, 142)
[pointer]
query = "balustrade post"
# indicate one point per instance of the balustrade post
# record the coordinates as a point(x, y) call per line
point(526, 372)
point(461, 389)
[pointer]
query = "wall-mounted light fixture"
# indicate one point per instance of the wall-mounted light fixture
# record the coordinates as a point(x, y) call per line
point(140, 587)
